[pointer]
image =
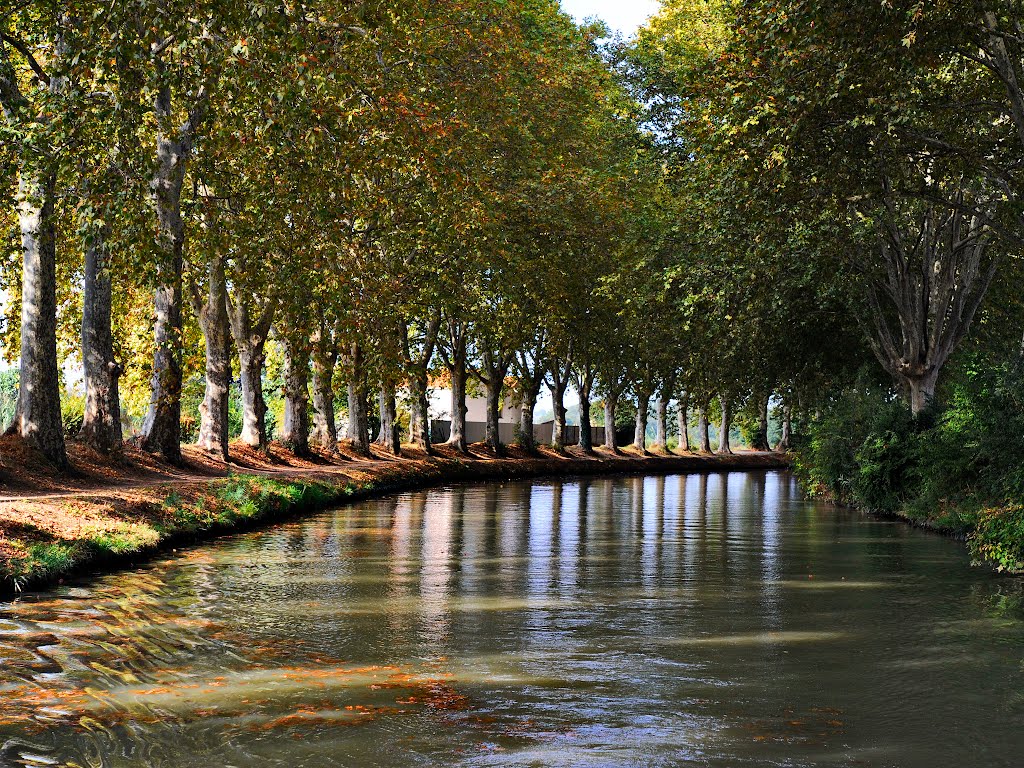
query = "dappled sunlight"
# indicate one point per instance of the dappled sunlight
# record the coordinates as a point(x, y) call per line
point(760, 638)
point(825, 584)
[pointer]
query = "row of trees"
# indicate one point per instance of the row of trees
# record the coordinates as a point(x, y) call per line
point(366, 193)
point(373, 188)
point(731, 211)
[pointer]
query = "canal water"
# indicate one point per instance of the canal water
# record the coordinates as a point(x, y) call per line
point(714, 620)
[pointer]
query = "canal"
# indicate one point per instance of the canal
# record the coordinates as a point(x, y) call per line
point(717, 620)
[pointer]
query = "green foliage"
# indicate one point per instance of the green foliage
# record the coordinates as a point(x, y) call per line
point(887, 461)
point(856, 448)
point(959, 468)
point(72, 412)
point(998, 537)
point(8, 396)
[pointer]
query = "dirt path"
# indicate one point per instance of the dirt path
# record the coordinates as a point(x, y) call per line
point(188, 478)
point(138, 474)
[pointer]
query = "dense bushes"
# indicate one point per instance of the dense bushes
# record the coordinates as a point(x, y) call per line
point(960, 467)
point(856, 449)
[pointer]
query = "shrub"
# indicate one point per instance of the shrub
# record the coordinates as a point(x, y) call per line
point(886, 474)
point(826, 451)
point(998, 537)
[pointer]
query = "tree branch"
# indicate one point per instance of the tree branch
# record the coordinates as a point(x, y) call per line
point(24, 51)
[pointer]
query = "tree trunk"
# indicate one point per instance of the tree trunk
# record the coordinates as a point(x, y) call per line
point(610, 439)
point(643, 402)
point(493, 367)
point(703, 429)
point(295, 434)
point(419, 413)
point(358, 419)
point(937, 274)
point(459, 375)
point(38, 413)
point(723, 436)
point(161, 429)
point(531, 391)
point(213, 320)
point(557, 389)
point(493, 388)
point(531, 367)
point(584, 385)
point(101, 424)
point(357, 430)
point(325, 359)
point(526, 439)
point(683, 418)
point(922, 390)
point(761, 435)
point(416, 365)
point(38, 417)
point(786, 439)
point(661, 420)
point(250, 341)
point(254, 405)
point(390, 436)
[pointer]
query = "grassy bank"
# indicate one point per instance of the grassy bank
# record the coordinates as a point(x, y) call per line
point(46, 538)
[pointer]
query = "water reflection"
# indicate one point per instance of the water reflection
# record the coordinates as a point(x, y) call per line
point(709, 620)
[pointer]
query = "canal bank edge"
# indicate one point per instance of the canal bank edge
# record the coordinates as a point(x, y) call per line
point(113, 532)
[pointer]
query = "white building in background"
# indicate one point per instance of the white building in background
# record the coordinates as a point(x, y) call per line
point(440, 404)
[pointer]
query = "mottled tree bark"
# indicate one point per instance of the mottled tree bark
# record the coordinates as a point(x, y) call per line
point(786, 439)
point(161, 429)
point(661, 420)
point(683, 419)
point(723, 435)
point(492, 435)
point(325, 358)
point(703, 429)
point(643, 402)
point(455, 361)
point(250, 340)
point(389, 436)
point(561, 370)
point(611, 441)
point(38, 418)
point(358, 430)
point(526, 439)
point(101, 424)
point(493, 369)
point(295, 434)
point(584, 387)
point(38, 414)
point(419, 411)
point(213, 320)
point(613, 391)
point(416, 365)
point(531, 368)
